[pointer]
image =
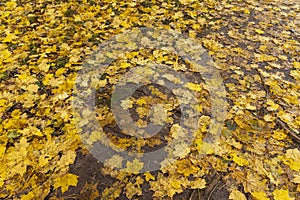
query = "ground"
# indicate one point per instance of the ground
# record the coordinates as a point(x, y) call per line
point(227, 98)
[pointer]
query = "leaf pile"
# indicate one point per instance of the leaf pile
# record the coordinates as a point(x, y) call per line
point(254, 44)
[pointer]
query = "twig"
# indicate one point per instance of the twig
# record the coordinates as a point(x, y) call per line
point(265, 88)
point(213, 185)
point(191, 197)
point(293, 133)
point(212, 191)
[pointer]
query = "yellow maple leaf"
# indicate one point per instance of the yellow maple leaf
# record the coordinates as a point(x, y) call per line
point(193, 86)
point(5, 54)
point(3, 102)
point(114, 161)
point(181, 150)
point(132, 190)
point(186, 2)
point(296, 179)
point(65, 181)
point(16, 113)
point(31, 88)
point(204, 147)
point(31, 130)
point(126, 103)
point(43, 161)
point(246, 11)
point(186, 168)
point(94, 136)
point(265, 58)
point(259, 31)
point(296, 65)
point(286, 117)
point(282, 195)
point(112, 192)
point(198, 184)
point(60, 71)
point(269, 118)
point(141, 101)
point(272, 106)
point(148, 176)
point(135, 166)
point(172, 78)
point(292, 159)
point(233, 34)
point(260, 195)
point(28, 196)
point(124, 65)
point(279, 135)
point(237, 195)
point(177, 131)
point(239, 160)
point(2, 150)
point(44, 66)
point(175, 184)
point(159, 113)
point(66, 159)
point(10, 37)
point(74, 58)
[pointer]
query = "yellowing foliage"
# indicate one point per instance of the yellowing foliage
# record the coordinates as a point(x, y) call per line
point(237, 195)
point(65, 182)
point(254, 45)
point(281, 195)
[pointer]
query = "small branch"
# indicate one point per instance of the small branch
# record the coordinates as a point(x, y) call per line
point(263, 84)
point(213, 185)
point(212, 191)
point(192, 195)
point(293, 133)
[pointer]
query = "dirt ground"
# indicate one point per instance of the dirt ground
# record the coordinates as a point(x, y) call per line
point(89, 171)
